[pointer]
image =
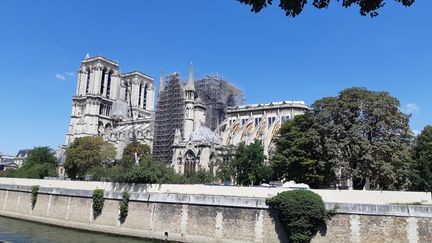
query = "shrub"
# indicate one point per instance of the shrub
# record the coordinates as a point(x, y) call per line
point(98, 202)
point(34, 194)
point(124, 206)
point(301, 212)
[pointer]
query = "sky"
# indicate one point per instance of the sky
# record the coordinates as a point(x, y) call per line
point(269, 56)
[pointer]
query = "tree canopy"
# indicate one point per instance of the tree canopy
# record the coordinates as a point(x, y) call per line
point(248, 166)
point(359, 135)
point(422, 161)
point(292, 8)
point(39, 164)
point(87, 152)
point(297, 157)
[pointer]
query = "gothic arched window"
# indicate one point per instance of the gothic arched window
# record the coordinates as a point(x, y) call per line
point(145, 97)
point(189, 165)
point(88, 80)
point(102, 81)
point(109, 84)
point(139, 96)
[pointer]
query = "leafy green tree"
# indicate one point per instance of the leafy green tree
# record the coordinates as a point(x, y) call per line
point(297, 157)
point(364, 134)
point(292, 8)
point(128, 158)
point(249, 164)
point(39, 164)
point(87, 152)
point(225, 170)
point(422, 161)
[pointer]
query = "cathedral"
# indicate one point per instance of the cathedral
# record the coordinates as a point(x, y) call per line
point(194, 119)
point(114, 105)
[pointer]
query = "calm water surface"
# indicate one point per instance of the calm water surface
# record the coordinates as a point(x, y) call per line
point(13, 230)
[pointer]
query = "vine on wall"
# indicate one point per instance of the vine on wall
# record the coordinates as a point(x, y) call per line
point(34, 194)
point(124, 207)
point(98, 202)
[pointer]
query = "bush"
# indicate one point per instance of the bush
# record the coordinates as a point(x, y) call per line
point(34, 192)
point(301, 212)
point(124, 206)
point(98, 202)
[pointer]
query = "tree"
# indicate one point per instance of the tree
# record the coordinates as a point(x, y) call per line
point(225, 170)
point(297, 157)
point(293, 8)
point(365, 135)
point(128, 157)
point(249, 166)
point(422, 161)
point(39, 164)
point(87, 152)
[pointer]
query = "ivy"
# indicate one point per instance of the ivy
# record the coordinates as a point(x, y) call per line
point(98, 202)
point(124, 207)
point(34, 194)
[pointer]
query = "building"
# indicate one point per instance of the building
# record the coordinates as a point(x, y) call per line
point(260, 121)
point(21, 156)
point(218, 95)
point(115, 105)
point(7, 162)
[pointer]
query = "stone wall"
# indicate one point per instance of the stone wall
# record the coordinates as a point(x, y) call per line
point(209, 218)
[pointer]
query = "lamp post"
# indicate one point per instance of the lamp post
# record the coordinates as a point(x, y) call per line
point(128, 85)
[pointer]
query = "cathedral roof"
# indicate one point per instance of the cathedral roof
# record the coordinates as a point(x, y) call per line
point(204, 134)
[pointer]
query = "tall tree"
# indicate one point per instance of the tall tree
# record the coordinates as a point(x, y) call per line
point(422, 161)
point(366, 136)
point(297, 156)
point(360, 135)
point(292, 8)
point(87, 152)
point(249, 164)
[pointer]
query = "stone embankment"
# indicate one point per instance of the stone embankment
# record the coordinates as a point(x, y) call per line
point(199, 213)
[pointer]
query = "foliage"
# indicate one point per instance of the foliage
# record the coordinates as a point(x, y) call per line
point(225, 170)
point(297, 157)
point(39, 164)
point(128, 158)
point(124, 206)
point(98, 202)
point(422, 161)
point(360, 134)
point(34, 194)
point(301, 212)
point(292, 8)
point(248, 165)
point(87, 152)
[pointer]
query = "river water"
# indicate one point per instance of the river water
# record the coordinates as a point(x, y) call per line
point(13, 230)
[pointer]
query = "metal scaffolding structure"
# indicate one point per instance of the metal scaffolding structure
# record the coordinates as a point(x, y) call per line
point(217, 94)
point(170, 115)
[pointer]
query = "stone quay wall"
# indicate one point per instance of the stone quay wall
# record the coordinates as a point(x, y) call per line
point(206, 214)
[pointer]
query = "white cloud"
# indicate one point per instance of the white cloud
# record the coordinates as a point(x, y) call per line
point(416, 132)
point(69, 73)
point(60, 76)
point(410, 108)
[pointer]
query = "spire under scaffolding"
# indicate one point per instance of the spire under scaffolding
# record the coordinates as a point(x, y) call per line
point(170, 116)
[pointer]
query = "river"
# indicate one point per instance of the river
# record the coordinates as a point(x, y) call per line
point(19, 231)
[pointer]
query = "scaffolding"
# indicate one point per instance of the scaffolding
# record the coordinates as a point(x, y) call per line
point(170, 115)
point(217, 94)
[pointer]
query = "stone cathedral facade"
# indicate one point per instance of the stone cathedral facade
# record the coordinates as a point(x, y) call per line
point(102, 102)
point(119, 106)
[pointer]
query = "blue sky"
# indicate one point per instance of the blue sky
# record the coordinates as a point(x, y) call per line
point(270, 56)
